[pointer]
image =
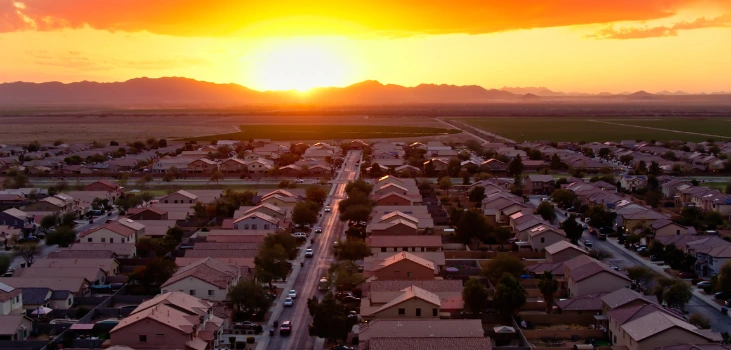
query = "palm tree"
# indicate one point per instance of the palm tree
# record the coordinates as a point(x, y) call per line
point(548, 286)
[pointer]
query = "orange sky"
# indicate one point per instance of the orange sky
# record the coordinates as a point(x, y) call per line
point(567, 45)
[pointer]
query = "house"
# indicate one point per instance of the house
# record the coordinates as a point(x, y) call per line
point(164, 165)
point(439, 164)
point(436, 333)
point(12, 200)
point(49, 204)
point(207, 279)
point(590, 304)
point(413, 302)
point(593, 277)
point(256, 221)
point(711, 256)
point(404, 243)
point(113, 232)
point(268, 209)
point(404, 266)
point(543, 236)
point(290, 170)
point(623, 297)
point(79, 286)
point(648, 327)
point(494, 166)
point(539, 184)
point(172, 320)
point(259, 166)
point(16, 218)
point(641, 219)
point(232, 165)
point(149, 213)
point(408, 170)
point(95, 275)
point(180, 196)
point(667, 228)
point(562, 251)
point(15, 327)
point(279, 198)
point(395, 198)
point(11, 300)
point(202, 166)
point(397, 227)
point(110, 266)
point(121, 250)
point(633, 182)
point(103, 185)
point(320, 169)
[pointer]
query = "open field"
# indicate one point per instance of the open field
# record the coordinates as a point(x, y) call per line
point(597, 129)
point(283, 132)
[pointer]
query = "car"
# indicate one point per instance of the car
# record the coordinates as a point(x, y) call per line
point(571, 210)
point(545, 199)
point(300, 181)
point(655, 258)
point(587, 220)
point(606, 230)
point(244, 325)
point(342, 295)
point(703, 284)
point(722, 295)
point(299, 235)
point(318, 229)
point(292, 294)
point(328, 209)
point(350, 299)
point(602, 236)
point(28, 239)
point(308, 253)
point(641, 249)
point(285, 328)
point(688, 274)
point(340, 347)
point(288, 301)
point(728, 303)
point(587, 243)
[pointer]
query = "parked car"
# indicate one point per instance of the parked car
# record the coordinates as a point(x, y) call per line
point(299, 235)
point(292, 294)
point(587, 243)
point(300, 181)
point(602, 236)
point(703, 284)
point(28, 239)
point(688, 274)
point(285, 328)
point(722, 295)
point(308, 253)
point(655, 258)
point(606, 230)
point(342, 295)
point(340, 347)
point(244, 325)
point(350, 299)
point(571, 210)
point(288, 301)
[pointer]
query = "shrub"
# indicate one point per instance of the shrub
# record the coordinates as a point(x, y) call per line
point(250, 340)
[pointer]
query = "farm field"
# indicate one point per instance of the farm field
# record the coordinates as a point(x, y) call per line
point(325, 132)
point(595, 129)
point(711, 126)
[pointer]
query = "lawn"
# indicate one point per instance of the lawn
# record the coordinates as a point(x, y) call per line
point(588, 129)
point(325, 132)
point(711, 126)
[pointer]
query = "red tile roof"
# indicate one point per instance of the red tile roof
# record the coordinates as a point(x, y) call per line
point(429, 343)
point(114, 227)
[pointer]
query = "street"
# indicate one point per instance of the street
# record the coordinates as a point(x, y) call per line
point(306, 281)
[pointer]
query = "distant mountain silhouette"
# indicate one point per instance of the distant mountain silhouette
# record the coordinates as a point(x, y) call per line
point(531, 97)
point(183, 91)
point(641, 95)
point(670, 93)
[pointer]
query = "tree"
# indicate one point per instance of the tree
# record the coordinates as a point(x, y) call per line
point(654, 169)
point(641, 274)
point(329, 318)
point(249, 297)
point(546, 211)
point(604, 152)
point(678, 294)
point(573, 229)
point(474, 295)
point(548, 286)
point(556, 163)
point(316, 194)
point(429, 169)
point(4, 263)
point(509, 295)
point(724, 277)
point(471, 225)
point(351, 249)
point(63, 236)
point(661, 283)
point(375, 171)
point(168, 177)
point(699, 321)
point(344, 275)
point(27, 251)
point(477, 194)
point(358, 185)
point(445, 183)
point(155, 273)
point(144, 180)
point(48, 221)
point(68, 219)
point(271, 263)
point(216, 176)
point(516, 166)
point(304, 213)
point(504, 263)
point(563, 197)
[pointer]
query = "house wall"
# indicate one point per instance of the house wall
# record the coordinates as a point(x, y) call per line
point(104, 235)
point(390, 189)
point(8, 220)
point(200, 289)
point(541, 241)
point(566, 254)
point(393, 200)
point(158, 336)
point(62, 304)
point(176, 198)
point(98, 187)
point(403, 249)
point(396, 230)
point(42, 206)
point(149, 215)
point(601, 282)
point(254, 223)
point(405, 270)
point(409, 306)
point(278, 202)
point(201, 167)
point(671, 230)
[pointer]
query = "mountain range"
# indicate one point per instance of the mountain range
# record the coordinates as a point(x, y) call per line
point(174, 91)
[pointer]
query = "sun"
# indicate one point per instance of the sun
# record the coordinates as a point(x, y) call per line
point(299, 64)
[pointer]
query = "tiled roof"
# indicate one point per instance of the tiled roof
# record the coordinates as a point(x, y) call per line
point(557, 269)
point(88, 273)
point(404, 241)
point(121, 249)
point(189, 304)
point(235, 239)
point(114, 227)
point(411, 292)
point(429, 343)
point(561, 246)
point(654, 324)
point(627, 314)
point(208, 270)
point(218, 246)
point(590, 302)
point(107, 264)
point(5, 296)
point(60, 295)
point(258, 215)
point(592, 269)
point(434, 286)
point(398, 214)
point(221, 253)
point(428, 328)
point(407, 256)
point(622, 297)
point(73, 284)
point(9, 324)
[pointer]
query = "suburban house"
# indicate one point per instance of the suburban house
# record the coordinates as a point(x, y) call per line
point(404, 243)
point(95, 275)
point(413, 302)
point(163, 165)
point(79, 286)
point(280, 198)
point(539, 184)
point(256, 221)
point(121, 250)
point(396, 198)
point(113, 232)
point(202, 166)
point(207, 279)
point(394, 227)
point(33, 298)
point(403, 266)
point(170, 320)
point(149, 213)
point(590, 304)
point(439, 164)
point(591, 277)
point(16, 218)
point(648, 327)
point(180, 196)
point(624, 297)
point(11, 300)
point(710, 256)
point(103, 185)
point(494, 166)
point(15, 327)
point(667, 228)
point(633, 182)
point(381, 334)
point(265, 208)
point(50, 204)
point(232, 165)
point(542, 236)
point(641, 219)
point(563, 250)
point(498, 207)
point(259, 166)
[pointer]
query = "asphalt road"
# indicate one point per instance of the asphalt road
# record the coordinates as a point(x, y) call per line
point(316, 267)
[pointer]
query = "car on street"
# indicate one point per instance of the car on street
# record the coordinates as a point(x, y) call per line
point(318, 229)
point(688, 274)
point(587, 243)
point(292, 294)
point(300, 181)
point(703, 284)
point(308, 253)
point(285, 328)
point(602, 236)
point(722, 295)
point(28, 239)
point(340, 347)
point(328, 209)
point(288, 302)
point(244, 325)
point(299, 235)
point(728, 303)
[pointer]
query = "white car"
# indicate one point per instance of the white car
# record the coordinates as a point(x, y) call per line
point(328, 209)
point(300, 181)
point(308, 253)
point(292, 294)
point(299, 235)
point(288, 302)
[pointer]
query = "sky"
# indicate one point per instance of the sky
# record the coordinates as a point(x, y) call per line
point(566, 45)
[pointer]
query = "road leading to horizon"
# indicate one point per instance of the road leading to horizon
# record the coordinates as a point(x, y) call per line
point(315, 267)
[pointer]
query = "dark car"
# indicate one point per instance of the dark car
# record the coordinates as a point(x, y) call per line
point(587, 243)
point(340, 347)
point(722, 295)
point(285, 328)
point(28, 239)
point(350, 299)
point(244, 325)
point(342, 295)
point(688, 275)
point(602, 236)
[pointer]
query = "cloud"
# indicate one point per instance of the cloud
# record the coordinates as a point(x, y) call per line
point(224, 18)
point(74, 60)
point(662, 31)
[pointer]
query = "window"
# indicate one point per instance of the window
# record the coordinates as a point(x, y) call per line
point(408, 275)
point(246, 227)
point(88, 239)
point(192, 292)
point(253, 227)
point(435, 312)
point(166, 201)
point(111, 240)
point(211, 292)
point(266, 227)
point(175, 201)
point(383, 250)
point(143, 338)
point(402, 311)
point(543, 239)
point(104, 239)
point(418, 312)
